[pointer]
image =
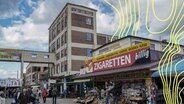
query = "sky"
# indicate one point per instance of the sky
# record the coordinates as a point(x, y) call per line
point(24, 23)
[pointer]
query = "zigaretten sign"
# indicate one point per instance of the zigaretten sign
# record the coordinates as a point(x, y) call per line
point(137, 54)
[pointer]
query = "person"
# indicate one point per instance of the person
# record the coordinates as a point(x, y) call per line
point(54, 95)
point(44, 95)
point(35, 97)
point(23, 98)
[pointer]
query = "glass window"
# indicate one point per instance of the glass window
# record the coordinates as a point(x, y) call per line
point(89, 54)
point(34, 55)
point(58, 56)
point(58, 68)
point(46, 56)
point(89, 21)
point(137, 42)
point(62, 42)
point(152, 46)
point(61, 67)
point(58, 28)
point(65, 52)
point(89, 36)
point(62, 54)
point(65, 67)
point(65, 37)
point(58, 43)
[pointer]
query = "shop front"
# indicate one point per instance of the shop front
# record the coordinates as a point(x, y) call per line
point(124, 74)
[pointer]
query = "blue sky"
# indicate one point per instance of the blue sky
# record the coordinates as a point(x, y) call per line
point(24, 23)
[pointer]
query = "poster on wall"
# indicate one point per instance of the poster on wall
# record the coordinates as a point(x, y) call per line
point(9, 55)
point(9, 83)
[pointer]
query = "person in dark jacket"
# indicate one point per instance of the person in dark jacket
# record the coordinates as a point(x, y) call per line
point(54, 95)
point(23, 98)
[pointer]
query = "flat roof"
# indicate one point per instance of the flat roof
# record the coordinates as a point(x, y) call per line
point(66, 6)
point(130, 36)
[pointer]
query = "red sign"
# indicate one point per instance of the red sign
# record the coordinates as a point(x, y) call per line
point(123, 60)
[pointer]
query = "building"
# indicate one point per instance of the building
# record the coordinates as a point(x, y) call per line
point(36, 75)
point(72, 36)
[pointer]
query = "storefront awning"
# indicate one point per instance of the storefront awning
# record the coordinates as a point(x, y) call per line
point(82, 80)
point(177, 66)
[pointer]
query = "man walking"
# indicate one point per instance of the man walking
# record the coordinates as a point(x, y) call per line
point(23, 98)
point(54, 95)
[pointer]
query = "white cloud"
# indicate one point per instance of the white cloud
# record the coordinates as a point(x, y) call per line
point(8, 8)
point(7, 74)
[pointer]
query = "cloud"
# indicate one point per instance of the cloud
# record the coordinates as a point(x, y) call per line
point(7, 74)
point(8, 8)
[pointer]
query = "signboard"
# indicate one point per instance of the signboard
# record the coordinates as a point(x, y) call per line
point(9, 83)
point(136, 54)
point(85, 70)
point(10, 56)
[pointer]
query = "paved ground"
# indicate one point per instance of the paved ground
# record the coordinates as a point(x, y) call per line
point(49, 101)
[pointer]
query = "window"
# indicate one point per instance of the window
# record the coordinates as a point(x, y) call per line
point(62, 54)
point(34, 55)
point(65, 67)
point(136, 42)
point(89, 21)
point(53, 47)
point(58, 56)
point(89, 36)
point(61, 67)
point(152, 46)
point(66, 21)
point(58, 28)
point(58, 68)
point(46, 56)
point(58, 43)
point(62, 42)
point(89, 54)
point(62, 24)
point(65, 37)
point(65, 52)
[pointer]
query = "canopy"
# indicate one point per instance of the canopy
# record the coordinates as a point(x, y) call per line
point(179, 64)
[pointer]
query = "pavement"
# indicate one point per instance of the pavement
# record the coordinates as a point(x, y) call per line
point(49, 101)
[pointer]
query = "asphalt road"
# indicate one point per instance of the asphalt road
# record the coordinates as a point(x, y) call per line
point(49, 101)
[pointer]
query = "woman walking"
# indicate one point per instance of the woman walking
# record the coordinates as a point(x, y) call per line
point(44, 95)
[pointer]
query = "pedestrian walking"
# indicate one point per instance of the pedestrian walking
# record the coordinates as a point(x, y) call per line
point(54, 95)
point(23, 98)
point(44, 94)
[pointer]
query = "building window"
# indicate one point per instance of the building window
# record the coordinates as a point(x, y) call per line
point(88, 21)
point(152, 46)
point(66, 37)
point(62, 42)
point(53, 47)
point(58, 28)
point(62, 25)
point(58, 56)
point(58, 68)
point(46, 56)
point(34, 55)
point(65, 67)
point(89, 36)
point(58, 43)
point(62, 54)
point(74, 9)
point(65, 52)
point(89, 54)
point(66, 21)
point(137, 42)
point(61, 67)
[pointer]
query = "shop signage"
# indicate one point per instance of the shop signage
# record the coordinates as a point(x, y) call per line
point(9, 83)
point(85, 70)
point(9, 55)
point(139, 53)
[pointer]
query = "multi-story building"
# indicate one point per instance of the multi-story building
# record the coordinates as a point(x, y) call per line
point(36, 74)
point(72, 36)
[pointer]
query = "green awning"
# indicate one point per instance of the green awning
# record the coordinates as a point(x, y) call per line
point(82, 80)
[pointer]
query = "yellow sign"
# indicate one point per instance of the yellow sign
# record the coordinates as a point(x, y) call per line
point(144, 44)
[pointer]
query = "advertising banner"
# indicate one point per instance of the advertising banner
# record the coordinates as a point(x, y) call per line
point(9, 83)
point(136, 54)
point(9, 55)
